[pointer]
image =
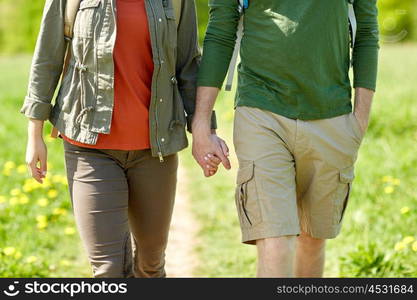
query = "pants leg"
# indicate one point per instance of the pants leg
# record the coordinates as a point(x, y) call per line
point(99, 194)
point(152, 186)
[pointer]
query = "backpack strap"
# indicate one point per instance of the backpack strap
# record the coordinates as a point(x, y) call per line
point(243, 4)
point(233, 62)
point(177, 4)
point(352, 22)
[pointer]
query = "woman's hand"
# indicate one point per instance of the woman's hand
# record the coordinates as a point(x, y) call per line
point(36, 150)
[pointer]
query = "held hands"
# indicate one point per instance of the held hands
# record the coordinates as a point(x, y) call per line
point(209, 151)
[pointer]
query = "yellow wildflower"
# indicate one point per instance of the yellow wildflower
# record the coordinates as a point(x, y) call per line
point(387, 178)
point(41, 218)
point(24, 199)
point(64, 263)
point(31, 259)
point(46, 183)
point(52, 193)
point(9, 165)
point(15, 192)
point(404, 210)
point(399, 246)
point(7, 172)
point(64, 180)
point(414, 246)
point(27, 188)
point(389, 190)
point(408, 240)
point(18, 255)
point(42, 225)
point(22, 169)
point(396, 181)
point(42, 202)
point(59, 211)
point(69, 230)
point(14, 201)
point(59, 179)
point(31, 181)
point(2, 199)
point(9, 251)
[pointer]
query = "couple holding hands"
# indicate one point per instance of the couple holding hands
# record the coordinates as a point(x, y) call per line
point(136, 79)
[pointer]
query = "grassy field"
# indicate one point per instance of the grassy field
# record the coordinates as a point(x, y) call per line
point(379, 234)
point(37, 232)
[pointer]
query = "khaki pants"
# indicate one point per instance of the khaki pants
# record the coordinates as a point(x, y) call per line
point(122, 202)
point(294, 175)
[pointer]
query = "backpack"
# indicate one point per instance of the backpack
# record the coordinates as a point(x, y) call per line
point(243, 5)
point(70, 14)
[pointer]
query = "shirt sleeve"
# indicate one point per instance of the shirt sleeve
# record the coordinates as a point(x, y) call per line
point(365, 52)
point(219, 42)
point(47, 62)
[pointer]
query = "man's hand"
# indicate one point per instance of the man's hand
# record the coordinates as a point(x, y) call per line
point(363, 103)
point(209, 151)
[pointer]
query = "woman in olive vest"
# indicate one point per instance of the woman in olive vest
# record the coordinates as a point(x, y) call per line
point(121, 110)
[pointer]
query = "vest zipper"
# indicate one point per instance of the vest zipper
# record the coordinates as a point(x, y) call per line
point(161, 158)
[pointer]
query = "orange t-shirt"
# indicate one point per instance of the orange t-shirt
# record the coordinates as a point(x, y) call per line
point(133, 69)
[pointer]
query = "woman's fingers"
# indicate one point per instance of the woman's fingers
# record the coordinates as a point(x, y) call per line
point(43, 166)
point(35, 172)
point(212, 160)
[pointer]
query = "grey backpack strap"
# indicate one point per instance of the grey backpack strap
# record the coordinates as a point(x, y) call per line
point(239, 35)
point(353, 23)
point(233, 62)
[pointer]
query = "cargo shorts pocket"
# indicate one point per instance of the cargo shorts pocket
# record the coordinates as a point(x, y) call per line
point(346, 177)
point(246, 196)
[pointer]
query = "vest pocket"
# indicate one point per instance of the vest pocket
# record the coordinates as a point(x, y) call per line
point(178, 111)
point(85, 19)
point(169, 9)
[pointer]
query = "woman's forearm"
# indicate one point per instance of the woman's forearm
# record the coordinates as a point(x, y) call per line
point(35, 128)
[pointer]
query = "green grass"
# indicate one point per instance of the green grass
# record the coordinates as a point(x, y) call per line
point(372, 227)
point(37, 232)
point(373, 224)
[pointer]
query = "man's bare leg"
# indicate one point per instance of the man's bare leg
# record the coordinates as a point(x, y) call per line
point(276, 256)
point(310, 255)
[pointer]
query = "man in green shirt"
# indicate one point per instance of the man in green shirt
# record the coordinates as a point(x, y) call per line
point(295, 134)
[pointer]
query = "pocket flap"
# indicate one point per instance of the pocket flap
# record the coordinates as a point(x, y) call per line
point(245, 172)
point(347, 175)
point(89, 4)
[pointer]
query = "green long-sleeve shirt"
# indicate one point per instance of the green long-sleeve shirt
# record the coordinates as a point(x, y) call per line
point(294, 54)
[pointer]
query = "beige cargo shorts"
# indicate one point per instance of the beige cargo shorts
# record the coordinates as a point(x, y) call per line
point(293, 175)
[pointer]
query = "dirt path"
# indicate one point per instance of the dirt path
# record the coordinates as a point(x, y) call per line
point(180, 256)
